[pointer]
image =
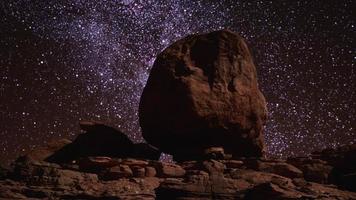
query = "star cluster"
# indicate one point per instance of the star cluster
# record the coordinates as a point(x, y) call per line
point(65, 61)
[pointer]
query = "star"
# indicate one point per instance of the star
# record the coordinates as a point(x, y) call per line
point(65, 61)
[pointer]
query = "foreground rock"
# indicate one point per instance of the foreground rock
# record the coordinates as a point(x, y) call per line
point(103, 177)
point(111, 178)
point(333, 166)
point(202, 92)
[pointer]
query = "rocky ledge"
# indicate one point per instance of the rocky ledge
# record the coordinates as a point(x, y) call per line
point(329, 174)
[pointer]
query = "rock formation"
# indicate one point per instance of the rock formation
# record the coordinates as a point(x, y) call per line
point(102, 140)
point(131, 178)
point(335, 166)
point(203, 105)
point(202, 92)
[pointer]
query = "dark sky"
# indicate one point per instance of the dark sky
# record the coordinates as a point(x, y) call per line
point(65, 61)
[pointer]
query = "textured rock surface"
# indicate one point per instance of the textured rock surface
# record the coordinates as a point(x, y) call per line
point(42, 153)
point(335, 166)
point(276, 167)
point(213, 180)
point(203, 92)
point(165, 170)
point(129, 178)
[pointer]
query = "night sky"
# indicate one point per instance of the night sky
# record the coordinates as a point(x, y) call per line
point(65, 61)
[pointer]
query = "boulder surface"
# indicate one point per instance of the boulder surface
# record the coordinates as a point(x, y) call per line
point(202, 92)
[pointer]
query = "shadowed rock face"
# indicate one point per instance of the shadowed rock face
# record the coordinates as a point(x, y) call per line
point(203, 92)
point(99, 140)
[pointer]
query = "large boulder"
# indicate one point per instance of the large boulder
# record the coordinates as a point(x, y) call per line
point(202, 92)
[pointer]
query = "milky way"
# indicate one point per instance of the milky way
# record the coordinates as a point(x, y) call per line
point(65, 61)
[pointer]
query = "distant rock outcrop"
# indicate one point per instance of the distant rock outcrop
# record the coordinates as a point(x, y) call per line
point(45, 152)
point(202, 92)
point(99, 140)
point(102, 140)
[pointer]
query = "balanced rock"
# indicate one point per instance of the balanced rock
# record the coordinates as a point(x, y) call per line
point(202, 92)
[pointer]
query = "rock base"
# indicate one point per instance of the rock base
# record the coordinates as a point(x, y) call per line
point(113, 178)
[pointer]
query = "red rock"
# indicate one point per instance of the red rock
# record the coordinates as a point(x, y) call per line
point(314, 170)
point(319, 191)
point(197, 172)
point(134, 162)
point(117, 172)
point(138, 171)
point(34, 178)
point(257, 177)
point(168, 169)
point(219, 186)
point(203, 92)
point(150, 172)
point(43, 153)
point(210, 166)
point(97, 163)
point(73, 178)
point(270, 191)
point(43, 180)
point(233, 163)
point(213, 167)
point(187, 165)
point(280, 168)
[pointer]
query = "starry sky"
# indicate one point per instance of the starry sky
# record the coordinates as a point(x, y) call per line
point(70, 60)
